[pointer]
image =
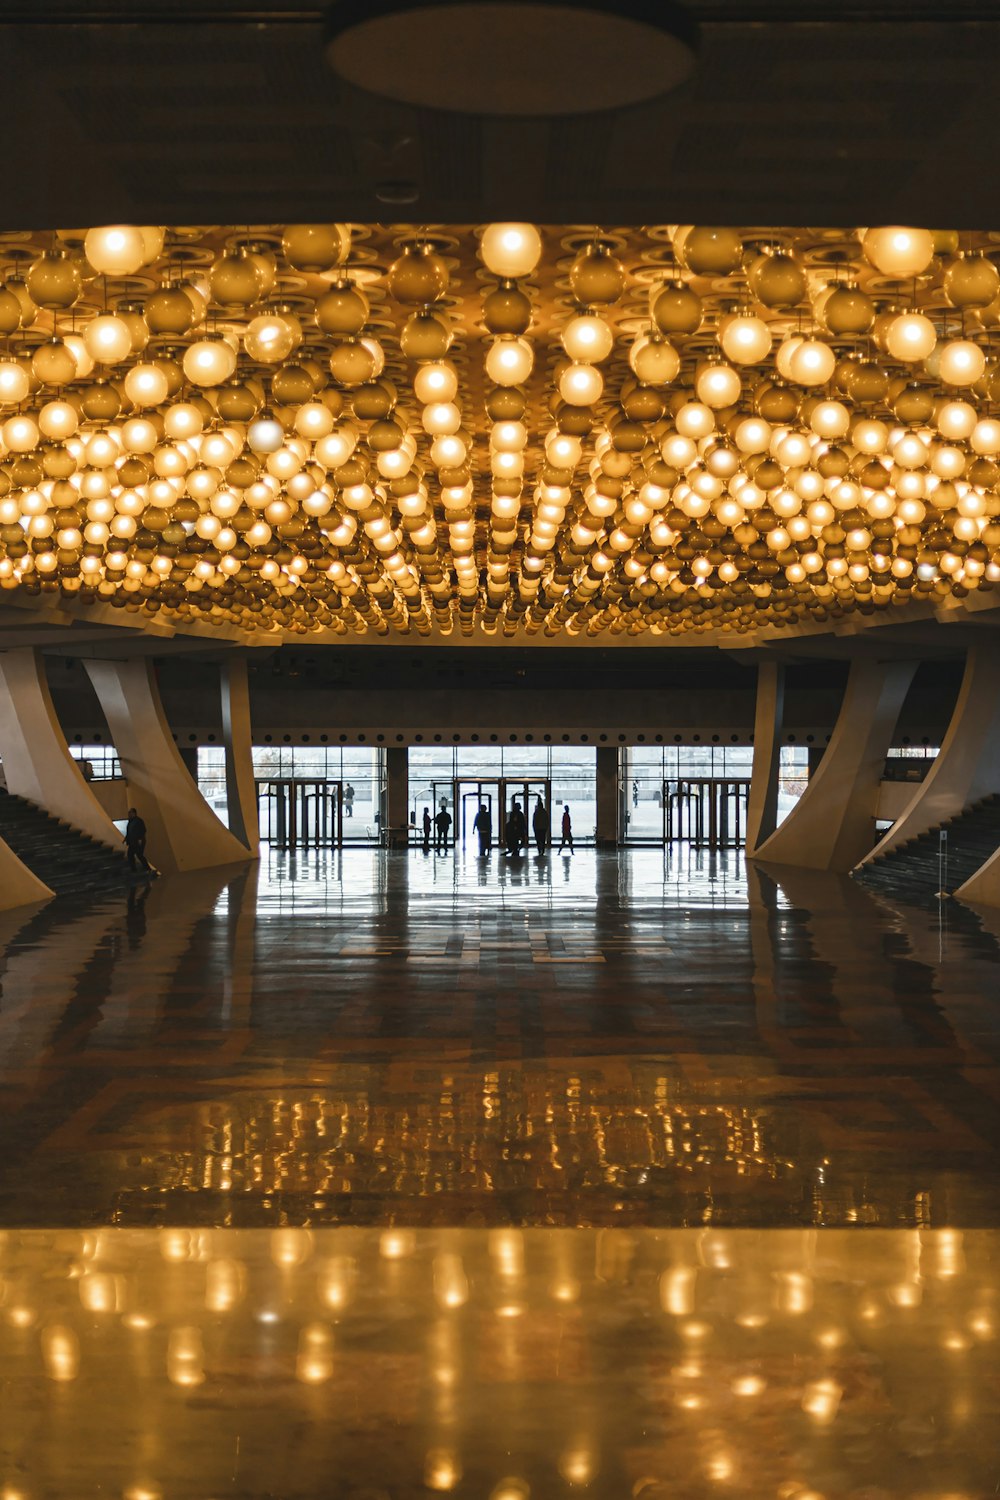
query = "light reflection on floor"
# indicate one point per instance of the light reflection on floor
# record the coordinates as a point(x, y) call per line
point(384, 1037)
point(385, 1364)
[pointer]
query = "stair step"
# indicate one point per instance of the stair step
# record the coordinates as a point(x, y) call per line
point(68, 860)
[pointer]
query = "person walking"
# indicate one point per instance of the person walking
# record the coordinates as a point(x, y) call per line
point(483, 825)
point(635, 794)
point(349, 800)
point(427, 825)
point(540, 825)
point(442, 824)
point(134, 839)
point(517, 829)
point(567, 830)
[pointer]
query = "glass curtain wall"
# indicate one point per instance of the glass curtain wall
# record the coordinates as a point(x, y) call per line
point(645, 768)
point(358, 770)
point(442, 773)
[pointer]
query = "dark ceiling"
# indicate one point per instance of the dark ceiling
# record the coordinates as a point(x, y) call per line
point(800, 113)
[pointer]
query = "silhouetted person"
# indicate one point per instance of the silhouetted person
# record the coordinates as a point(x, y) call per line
point(567, 830)
point(442, 823)
point(540, 825)
point(135, 840)
point(517, 829)
point(635, 794)
point(484, 827)
point(427, 825)
point(349, 800)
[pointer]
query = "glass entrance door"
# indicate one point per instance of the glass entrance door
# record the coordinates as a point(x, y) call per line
point(298, 814)
point(525, 791)
point(472, 795)
point(709, 812)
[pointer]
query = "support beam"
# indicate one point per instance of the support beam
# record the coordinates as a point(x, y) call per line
point(183, 831)
point(968, 766)
point(237, 733)
point(397, 796)
point(832, 825)
point(18, 887)
point(36, 759)
point(607, 831)
point(762, 807)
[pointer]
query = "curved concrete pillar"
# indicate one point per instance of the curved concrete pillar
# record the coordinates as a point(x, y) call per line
point(183, 831)
point(36, 759)
point(237, 734)
point(983, 889)
point(762, 806)
point(968, 766)
point(831, 825)
point(18, 887)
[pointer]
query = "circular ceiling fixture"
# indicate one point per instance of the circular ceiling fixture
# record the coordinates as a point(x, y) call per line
point(512, 57)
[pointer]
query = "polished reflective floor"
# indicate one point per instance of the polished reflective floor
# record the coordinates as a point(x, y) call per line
point(363, 1363)
point(373, 1175)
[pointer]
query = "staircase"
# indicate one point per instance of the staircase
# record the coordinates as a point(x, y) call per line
point(911, 872)
point(71, 863)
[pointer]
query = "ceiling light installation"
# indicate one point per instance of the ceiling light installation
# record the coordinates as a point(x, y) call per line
point(512, 57)
point(507, 431)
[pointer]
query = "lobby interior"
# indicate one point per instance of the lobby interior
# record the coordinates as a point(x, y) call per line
point(346, 1158)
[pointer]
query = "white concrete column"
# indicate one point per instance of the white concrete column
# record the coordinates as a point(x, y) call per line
point(762, 806)
point(36, 759)
point(968, 766)
point(832, 825)
point(18, 887)
point(241, 789)
point(183, 831)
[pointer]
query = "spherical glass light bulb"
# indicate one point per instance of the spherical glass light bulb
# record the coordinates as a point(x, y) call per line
point(830, 419)
point(115, 249)
point(581, 385)
point(678, 451)
point(510, 250)
point(753, 435)
point(962, 362)
point(898, 251)
point(183, 420)
point(718, 386)
point(265, 435)
point(58, 420)
point(654, 361)
point(587, 338)
point(440, 418)
point(209, 362)
point(956, 420)
point(139, 435)
point(146, 385)
point(745, 340)
point(509, 361)
point(313, 420)
point(435, 382)
point(107, 339)
point(813, 363)
point(910, 337)
point(269, 338)
point(694, 420)
point(985, 437)
point(20, 434)
point(15, 383)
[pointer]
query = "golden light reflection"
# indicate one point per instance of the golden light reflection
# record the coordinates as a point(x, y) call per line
point(242, 1332)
